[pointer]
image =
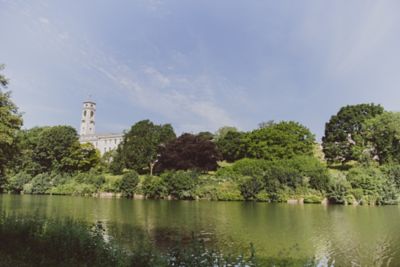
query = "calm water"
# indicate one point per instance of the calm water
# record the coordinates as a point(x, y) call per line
point(353, 236)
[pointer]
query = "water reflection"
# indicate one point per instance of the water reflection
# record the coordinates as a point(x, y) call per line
point(345, 236)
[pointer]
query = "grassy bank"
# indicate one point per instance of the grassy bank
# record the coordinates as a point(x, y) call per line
point(301, 179)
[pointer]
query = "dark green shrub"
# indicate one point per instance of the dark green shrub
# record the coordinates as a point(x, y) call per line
point(250, 186)
point(181, 184)
point(128, 184)
point(313, 169)
point(154, 187)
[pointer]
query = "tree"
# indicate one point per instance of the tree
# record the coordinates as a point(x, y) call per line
point(223, 131)
point(10, 123)
point(128, 184)
point(83, 158)
point(56, 149)
point(140, 147)
point(232, 145)
point(344, 131)
point(281, 140)
point(383, 135)
point(189, 152)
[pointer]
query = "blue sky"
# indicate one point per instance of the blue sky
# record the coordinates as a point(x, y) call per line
point(199, 65)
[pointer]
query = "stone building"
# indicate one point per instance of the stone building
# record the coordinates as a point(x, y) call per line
point(103, 142)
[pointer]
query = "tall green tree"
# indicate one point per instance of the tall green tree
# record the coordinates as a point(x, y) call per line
point(232, 145)
point(281, 140)
point(10, 123)
point(383, 136)
point(140, 147)
point(58, 150)
point(344, 132)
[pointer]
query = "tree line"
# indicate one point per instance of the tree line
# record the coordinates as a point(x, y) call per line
point(358, 160)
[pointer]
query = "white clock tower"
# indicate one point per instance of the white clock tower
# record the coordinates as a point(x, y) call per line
point(88, 118)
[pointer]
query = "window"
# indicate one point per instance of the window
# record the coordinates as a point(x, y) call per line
point(91, 114)
point(84, 113)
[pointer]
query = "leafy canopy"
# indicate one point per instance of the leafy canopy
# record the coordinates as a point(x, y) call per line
point(344, 131)
point(140, 147)
point(10, 123)
point(281, 140)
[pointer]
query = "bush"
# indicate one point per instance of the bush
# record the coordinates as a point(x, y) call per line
point(251, 167)
point(154, 187)
point(128, 184)
point(112, 183)
point(90, 178)
point(313, 199)
point(313, 169)
point(181, 184)
point(263, 197)
point(16, 183)
point(41, 183)
point(250, 186)
point(338, 189)
point(227, 173)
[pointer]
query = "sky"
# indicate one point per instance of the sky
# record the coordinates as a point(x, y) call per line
point(199, 65)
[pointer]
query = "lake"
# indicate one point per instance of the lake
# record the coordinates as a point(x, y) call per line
point(353, 236)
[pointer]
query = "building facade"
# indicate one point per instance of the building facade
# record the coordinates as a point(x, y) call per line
point(87, 134)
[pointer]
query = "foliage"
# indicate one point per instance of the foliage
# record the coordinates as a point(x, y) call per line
point(251, 167)
point(54, 148)
point(10, 123)
point(85, 157)
point(206, 135)
point(223, 131)
point(281, 140)
point(154, 187)
point(373, 184)
point(16, 183)
point(189, 152)
point(140, 147)
point(90, 178)
point(30, 241)
point(313, 199)
point(232, 145)
point(250, 187)
point(338, 189)
point(181, 184)
point(383, 135)
point(313, 170)
point(41, 183)
point(128, 184)
point(345, 130)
